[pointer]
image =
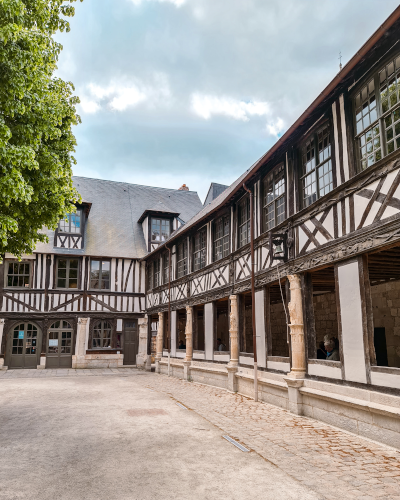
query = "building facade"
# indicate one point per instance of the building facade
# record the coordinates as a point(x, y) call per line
point(79, 300)
point(326, 201)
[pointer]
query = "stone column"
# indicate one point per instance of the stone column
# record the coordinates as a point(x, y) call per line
point(233, 364)
point(295, 378)
point(189, 343)
point(141, 359)
point(2, 354)
point(78, 361)
point(159, 341)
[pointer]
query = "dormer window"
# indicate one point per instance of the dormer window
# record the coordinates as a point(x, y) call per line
point(71, 223)
point(160, 230)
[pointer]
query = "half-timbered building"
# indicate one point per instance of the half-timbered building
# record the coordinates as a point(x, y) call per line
point(79, 300)
point(326, 215)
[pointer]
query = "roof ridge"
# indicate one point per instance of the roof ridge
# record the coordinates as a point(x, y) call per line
point(132, 184)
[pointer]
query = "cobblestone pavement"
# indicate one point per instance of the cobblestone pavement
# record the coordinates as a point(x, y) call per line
point(331, 462)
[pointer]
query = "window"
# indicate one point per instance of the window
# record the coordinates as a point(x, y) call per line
point(166, 267)
point(274, 198)
point(244, 221)
point(60, 338)
point(316, 161)
point(199, 253)
point(67, 273)
point(100, 274)
point(150, 275)
point(377, 115)
point(182, 259)
point(102, 335)
point(18, 274)
point(157, 272)
point(160, 230)
point(71, 223)
point(221, 237)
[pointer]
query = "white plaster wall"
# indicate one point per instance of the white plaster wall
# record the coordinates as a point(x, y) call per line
point(385, 379)
point(244, 360)
point(209, 331)
point(325, 371)
point(352, 329)
point(173, 333)
point(260, 329)
point(222, 357)
point(278, 365)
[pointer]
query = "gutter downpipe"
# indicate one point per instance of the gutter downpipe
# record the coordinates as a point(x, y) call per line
point(253, 301)
point(169, 309)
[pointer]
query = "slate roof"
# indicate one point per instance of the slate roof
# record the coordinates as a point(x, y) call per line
point(214, 191)
point(112, 229)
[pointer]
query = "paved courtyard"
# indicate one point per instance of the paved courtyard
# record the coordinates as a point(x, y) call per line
point(120, 434)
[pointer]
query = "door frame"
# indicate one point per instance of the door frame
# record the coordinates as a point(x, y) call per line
point(9, 342)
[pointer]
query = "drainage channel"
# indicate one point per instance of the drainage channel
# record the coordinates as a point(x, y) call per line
point(235, 443)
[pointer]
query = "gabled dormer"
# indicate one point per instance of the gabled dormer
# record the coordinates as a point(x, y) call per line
point(158, 224)
point(70, 231)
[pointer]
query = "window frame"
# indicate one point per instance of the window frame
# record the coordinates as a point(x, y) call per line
point(165, 270)
point(240, 204)
point(61, 231)
point(100, 274)
point(199, 252)
point(184, 260)
point(313, 135)
point(278, 169)
point(156, 273)
point(381, 116)
point(95, 326)
point(67, 279)
point(222, 219)
point(161, 219)
point(6, 274)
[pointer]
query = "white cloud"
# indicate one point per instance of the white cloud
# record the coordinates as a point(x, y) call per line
point(120, 96)
point(276, 127)
point(177, 3)
point(207, 105)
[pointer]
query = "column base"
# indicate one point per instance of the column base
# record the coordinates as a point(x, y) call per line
point(186, 370)
point(295, 397)
point(232, 381)
point(158, 366)
point(148, 363)
point(42, 365)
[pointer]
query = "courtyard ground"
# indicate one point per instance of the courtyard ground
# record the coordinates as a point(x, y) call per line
point(120, 434)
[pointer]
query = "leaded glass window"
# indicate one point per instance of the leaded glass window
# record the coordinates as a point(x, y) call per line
point(102, 335)
point(157, 272)
point(221, 237)
point(244, 221)
point(274, 198)
point(377, 115)
point(182, 255)
point(18, 274)
point(71, 223)
point(199, 253)
point(316, 159)
point(150, 275)
point(166, 267)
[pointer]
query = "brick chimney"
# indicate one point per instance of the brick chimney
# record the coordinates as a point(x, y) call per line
point(183, 188)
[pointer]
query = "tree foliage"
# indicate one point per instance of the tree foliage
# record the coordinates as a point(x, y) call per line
point(37, 112)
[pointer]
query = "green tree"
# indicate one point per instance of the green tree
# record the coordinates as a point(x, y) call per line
point(37, 112)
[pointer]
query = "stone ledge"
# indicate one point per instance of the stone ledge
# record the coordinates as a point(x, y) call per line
point(207, 369)
point(355, 403)
point(272, 383)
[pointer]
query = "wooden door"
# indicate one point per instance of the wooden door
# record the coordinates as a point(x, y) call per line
point(59, 345)
point(23, 346)
point(131, 342)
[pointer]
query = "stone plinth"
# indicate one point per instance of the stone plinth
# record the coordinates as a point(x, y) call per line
point(106, 360)
point(141, 359)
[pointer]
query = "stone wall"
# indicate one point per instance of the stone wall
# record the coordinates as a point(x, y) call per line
point(279, 330)
point(386, 309)
point(325, 315)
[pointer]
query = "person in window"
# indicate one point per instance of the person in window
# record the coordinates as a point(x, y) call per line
point(332, 353)
point(321, 353)
point(220, 345)
point(181, 345)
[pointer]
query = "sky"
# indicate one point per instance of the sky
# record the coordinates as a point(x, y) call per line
point(194, 91)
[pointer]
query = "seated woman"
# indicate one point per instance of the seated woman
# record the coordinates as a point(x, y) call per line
point(332, 352)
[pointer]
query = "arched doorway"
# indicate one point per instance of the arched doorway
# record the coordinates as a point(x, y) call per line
point(24, 345)
point(59, 345)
